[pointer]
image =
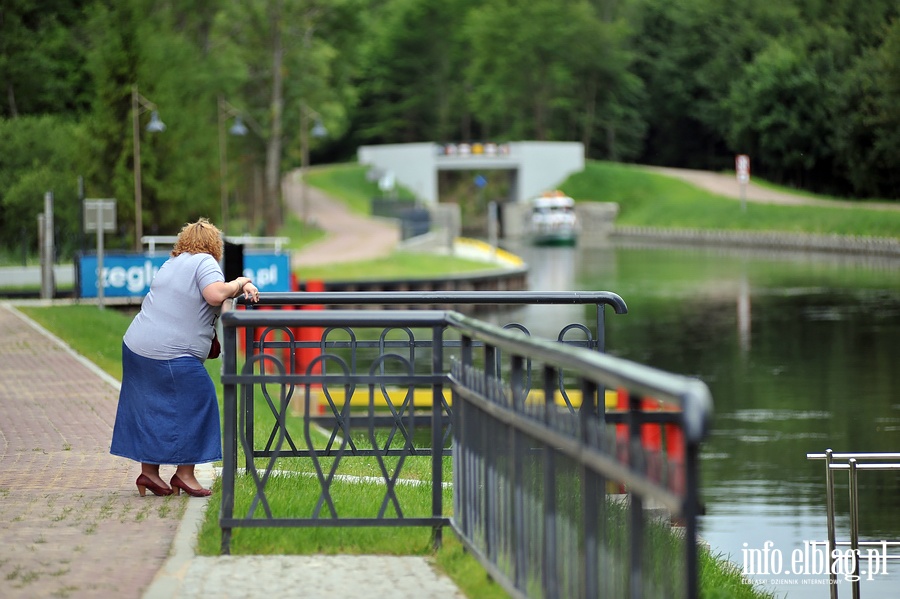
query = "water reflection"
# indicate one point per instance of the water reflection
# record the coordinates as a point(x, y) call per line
point(800, 353)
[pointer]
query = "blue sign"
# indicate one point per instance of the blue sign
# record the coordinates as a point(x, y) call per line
point(129, 275)
point(480, 181)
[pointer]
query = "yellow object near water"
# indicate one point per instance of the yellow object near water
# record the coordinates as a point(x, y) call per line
point(422, 398)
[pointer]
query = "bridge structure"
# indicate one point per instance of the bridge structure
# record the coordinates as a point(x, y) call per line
point(534, 166)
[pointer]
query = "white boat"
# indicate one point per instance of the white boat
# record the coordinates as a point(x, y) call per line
point(553, 220)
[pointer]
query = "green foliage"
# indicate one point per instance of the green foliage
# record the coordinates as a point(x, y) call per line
point(411, 83)
point(36, 157)
point(867, 133)
point(40, 57)
point(810, 89)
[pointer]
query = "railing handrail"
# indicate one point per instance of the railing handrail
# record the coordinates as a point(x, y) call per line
point(606, 298)
point(691, 395)
point(324, 318)
point(854, 456)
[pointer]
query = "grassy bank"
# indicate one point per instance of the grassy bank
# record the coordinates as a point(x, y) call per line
point(350, 183)
point(649, 199)
point(97, 335)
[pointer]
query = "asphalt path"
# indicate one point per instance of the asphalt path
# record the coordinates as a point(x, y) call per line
point(349, 237)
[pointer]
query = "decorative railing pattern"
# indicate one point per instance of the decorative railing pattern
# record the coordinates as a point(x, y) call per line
point(558, 494)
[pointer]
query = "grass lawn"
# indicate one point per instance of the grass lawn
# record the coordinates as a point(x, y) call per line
point(350, 183)
point(653, 200)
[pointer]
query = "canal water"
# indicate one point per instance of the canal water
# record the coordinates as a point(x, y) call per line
point(801, 352)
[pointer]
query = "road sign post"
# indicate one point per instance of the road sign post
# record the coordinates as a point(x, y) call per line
point(99, 216)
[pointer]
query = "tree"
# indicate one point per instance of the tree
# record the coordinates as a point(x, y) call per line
point(36, 157)
point(518, 65)
point(687, 55)
point(867, 134)
point(41, 57)
point(606, 96)
point(785, 106)
point(286, 64)
point(410, 83)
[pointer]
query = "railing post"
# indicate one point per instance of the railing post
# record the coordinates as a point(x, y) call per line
point(516, 451)
point(550, 553)
point(601, 327)
point(437, 437)
point(692, 509)
point(635, 503)
point(594, 495)
point(249, 340)
point(829, 511)
point(229, 455)
point(854, 526)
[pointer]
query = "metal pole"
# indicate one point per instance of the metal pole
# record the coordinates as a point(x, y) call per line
point(47, 285)
point(854, 527)
point(829, 509)
point(100, 278)
point(43, 259)
point(493, 226)
point(136, 133)
point(81, 236)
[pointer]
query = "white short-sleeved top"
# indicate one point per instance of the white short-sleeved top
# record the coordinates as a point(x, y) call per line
point(175, 320)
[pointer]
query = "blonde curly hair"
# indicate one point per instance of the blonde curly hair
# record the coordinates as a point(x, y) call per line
point(201, 237)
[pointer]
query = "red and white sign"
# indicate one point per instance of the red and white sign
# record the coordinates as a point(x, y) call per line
point(742, 167)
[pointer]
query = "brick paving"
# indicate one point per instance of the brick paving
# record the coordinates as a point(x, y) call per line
point(71, 521)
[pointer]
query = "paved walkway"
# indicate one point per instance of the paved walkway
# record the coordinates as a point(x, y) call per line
point(72, 523)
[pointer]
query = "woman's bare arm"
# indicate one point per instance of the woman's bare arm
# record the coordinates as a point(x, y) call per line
point(216, 293)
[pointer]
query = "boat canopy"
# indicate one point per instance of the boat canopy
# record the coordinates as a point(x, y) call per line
point(556, 199)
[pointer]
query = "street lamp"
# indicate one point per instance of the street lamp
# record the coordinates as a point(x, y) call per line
point(139, 105)
point(239, 129)
point(318, 131)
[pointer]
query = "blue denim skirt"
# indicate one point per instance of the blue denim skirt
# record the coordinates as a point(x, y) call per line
point(168, 412)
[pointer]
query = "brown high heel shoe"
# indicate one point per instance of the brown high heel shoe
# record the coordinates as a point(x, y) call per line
point(178, 485)
point(144, 482)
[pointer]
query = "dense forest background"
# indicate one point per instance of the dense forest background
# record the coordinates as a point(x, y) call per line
point(810, 89)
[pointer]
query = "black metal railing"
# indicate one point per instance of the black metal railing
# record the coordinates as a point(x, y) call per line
point(516, 402)
point(313, 349)
point(563, 503)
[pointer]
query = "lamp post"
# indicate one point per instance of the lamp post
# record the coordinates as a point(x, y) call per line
point(139, 105)
point(318, 131)
point(227, 111)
